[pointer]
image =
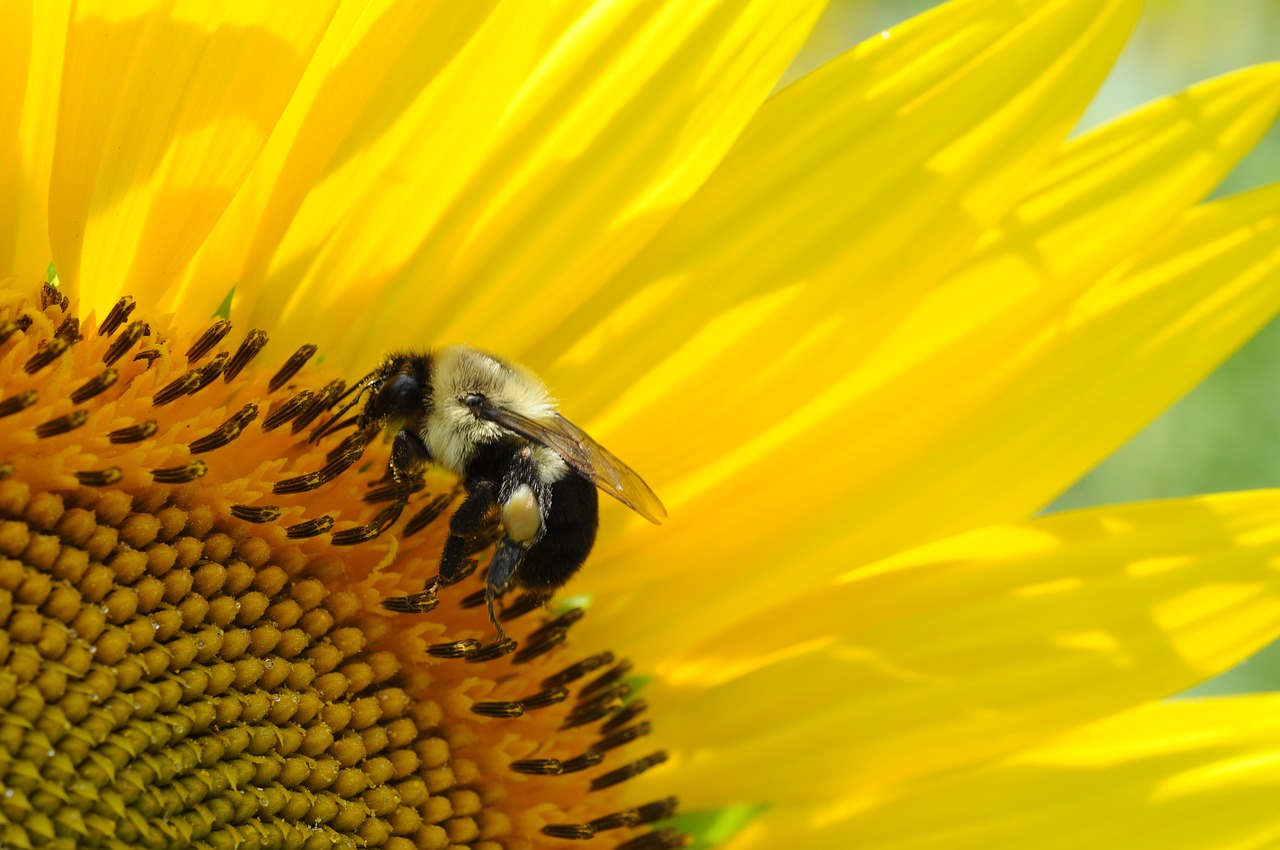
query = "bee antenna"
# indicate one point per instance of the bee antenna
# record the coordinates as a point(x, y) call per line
point(330, 424)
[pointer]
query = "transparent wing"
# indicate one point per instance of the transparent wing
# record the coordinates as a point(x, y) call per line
point(586, 456)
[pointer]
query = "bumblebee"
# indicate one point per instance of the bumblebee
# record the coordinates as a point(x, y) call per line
point(496, 426)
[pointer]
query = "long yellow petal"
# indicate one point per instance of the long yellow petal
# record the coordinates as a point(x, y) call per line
point(490, 184)
point(939, 434)
point(1181, 775)
point(31, 48)
point(848, 195)
point(164, 108)
point(599, 150)
point(380, 102)
point(971, 648)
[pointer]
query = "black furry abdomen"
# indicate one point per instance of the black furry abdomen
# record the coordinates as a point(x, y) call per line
point(569, 533)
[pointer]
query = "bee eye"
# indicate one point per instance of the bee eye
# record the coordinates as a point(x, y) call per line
point(399, 396)
point(473, 400)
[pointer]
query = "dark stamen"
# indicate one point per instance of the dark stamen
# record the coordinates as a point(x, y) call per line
point(312, 480)
point(622, 736)
point(350, 443)
point(121, 344)
point(226, 432)
point(493, 651)
point(622, 774)
point(415, 603)
point(663, 839)
point(564, 621)
point(532, 650)
point(393, 491)
point(62, 424)
point(9, 328)
point(323, 401)
point(605, 679)
point(615, 694)
point(657, 810)
point(310, 528)
point(209, 372)
point(556, 767)
point(586, 715)
point(176, 389)
point(363, 534)
point(569, 831)
point(343, 458)
point(103, 381)
point(542, 699)
point(505, 710)
point(538, 767)
point(133, 433)
point(473, 600)
point(266, 513)
point(49, 352)
point(576, 671)
point(597, 708)
point(587, 760)
point(150, 355)
point(336, 422)
point(208, 340)
point(454, 649)
point(118, 315)
point(617, 820)
point(6, 470)
point(288, 410)
point(387, 516)
point(633, 710)
point(69, 330)
point(181, 474)
point(336, 426)
point(50, 294)
point(254, 342)
point(291, 366)
point(427, 515)
point(524, 603)
point(298, 484)
point(16, 403)
point(100, 477)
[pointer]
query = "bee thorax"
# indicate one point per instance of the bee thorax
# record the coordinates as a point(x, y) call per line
point(521, 517)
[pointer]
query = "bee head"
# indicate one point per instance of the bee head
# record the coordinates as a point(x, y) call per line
point(397, 397)
point(468, 384)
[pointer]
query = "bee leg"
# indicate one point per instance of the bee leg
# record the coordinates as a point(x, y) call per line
point(506, 558)
point(468, 519)
point(409, 457)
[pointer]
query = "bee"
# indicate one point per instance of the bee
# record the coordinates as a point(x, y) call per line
point(496, 426)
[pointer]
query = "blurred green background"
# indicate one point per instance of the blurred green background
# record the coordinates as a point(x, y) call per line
point(1225, 434)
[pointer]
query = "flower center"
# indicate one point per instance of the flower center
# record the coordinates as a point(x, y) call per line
point(187, 659)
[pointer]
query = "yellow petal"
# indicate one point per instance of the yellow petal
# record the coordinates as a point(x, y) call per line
point(379, 102)
point(1181, 775)
point(599, 150)
point(505, 180)
point(31, 48)
point(970, 648)
point(164, 108)
point(938, 434)
point(850, 192)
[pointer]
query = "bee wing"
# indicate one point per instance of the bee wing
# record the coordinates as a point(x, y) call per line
point(587, 456)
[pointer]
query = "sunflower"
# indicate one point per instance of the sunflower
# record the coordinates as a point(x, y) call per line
point(857, 332)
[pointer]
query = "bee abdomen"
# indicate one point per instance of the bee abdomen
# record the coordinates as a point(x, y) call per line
point(569, 534)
